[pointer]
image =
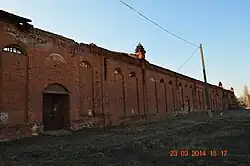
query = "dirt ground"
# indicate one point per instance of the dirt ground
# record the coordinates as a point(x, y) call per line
point(143, 145)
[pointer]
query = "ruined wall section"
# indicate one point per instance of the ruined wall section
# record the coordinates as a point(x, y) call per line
point(50, 60)
point(184, 95)
point(100, 80)
point(181, 90)
point(86, 84)
point(202, 96)
point(213, 98)
point(159, 92)
point(220, 98)
point(122, 90)
point(194, 90)
point(186, 87)
point(180, 93)
point(13, 82)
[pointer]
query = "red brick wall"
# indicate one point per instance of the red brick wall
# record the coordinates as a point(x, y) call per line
point(14, 86)
point(88, 73)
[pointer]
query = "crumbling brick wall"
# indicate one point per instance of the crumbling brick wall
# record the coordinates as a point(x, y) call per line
point(108, 83)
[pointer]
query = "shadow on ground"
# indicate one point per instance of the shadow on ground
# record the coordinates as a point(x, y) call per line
point(141, 145)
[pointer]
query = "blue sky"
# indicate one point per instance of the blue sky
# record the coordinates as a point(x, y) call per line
point(223, 27)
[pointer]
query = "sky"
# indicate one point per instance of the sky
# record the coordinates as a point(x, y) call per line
point(222, 27)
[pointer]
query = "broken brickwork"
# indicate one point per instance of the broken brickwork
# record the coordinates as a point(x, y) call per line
point(117, 87)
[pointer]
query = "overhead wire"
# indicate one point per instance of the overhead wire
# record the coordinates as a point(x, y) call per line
point(158, 25)
point(169, 32)
point(188, 58)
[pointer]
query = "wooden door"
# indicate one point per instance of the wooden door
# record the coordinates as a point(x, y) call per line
point(53, 111)
point(47, 112)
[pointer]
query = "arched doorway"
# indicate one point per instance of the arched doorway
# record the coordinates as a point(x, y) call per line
point(55, 107)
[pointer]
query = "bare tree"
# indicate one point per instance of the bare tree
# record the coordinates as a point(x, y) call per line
point(246, 96)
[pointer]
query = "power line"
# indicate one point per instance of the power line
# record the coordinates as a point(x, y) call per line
point(188, 58)
point(171, 33)
point(156, 24)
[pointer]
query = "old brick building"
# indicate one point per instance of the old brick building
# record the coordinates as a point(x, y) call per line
point(47, 79)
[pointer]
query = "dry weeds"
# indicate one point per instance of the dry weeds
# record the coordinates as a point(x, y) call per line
point(142, 145)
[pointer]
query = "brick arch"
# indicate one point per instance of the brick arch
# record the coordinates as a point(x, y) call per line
point(171, 85)
point(162, 96)
point(180, 87)
point(56, 106)
point(152, 95)
point(198, 98)
point(86, 87)
point(152, 79)
point(187, 105)
point(193, 94)
point(56, 57)
point(132, 95)
point(213, 104)
point(118, 71)
point(15, 49)
point(202, 99)
point(119, 88)
point(15, 64)
point(188, 91)
point(55, 88)
point(185, 93)
point(219, 99)
point(132, 74)
point(85, 64)
point(213, 101)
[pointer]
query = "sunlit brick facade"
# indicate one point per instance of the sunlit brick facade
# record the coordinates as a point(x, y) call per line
point(104, 87)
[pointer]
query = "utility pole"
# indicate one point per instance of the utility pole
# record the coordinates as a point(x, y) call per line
point(205, 80)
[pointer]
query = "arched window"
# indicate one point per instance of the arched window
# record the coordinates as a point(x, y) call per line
point(162, 81)
point(85, 64)
point(117, 71)
point(170, 82)
point(131, 74)
point(56, 57)
point(15, 49)
point(152, 79)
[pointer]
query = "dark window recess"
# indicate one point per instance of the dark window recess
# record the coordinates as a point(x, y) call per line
point(23, 27)
point(85, 64)
point(105, 69)
point(13, 49)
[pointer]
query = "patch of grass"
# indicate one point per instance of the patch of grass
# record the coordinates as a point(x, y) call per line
point(148, 144)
